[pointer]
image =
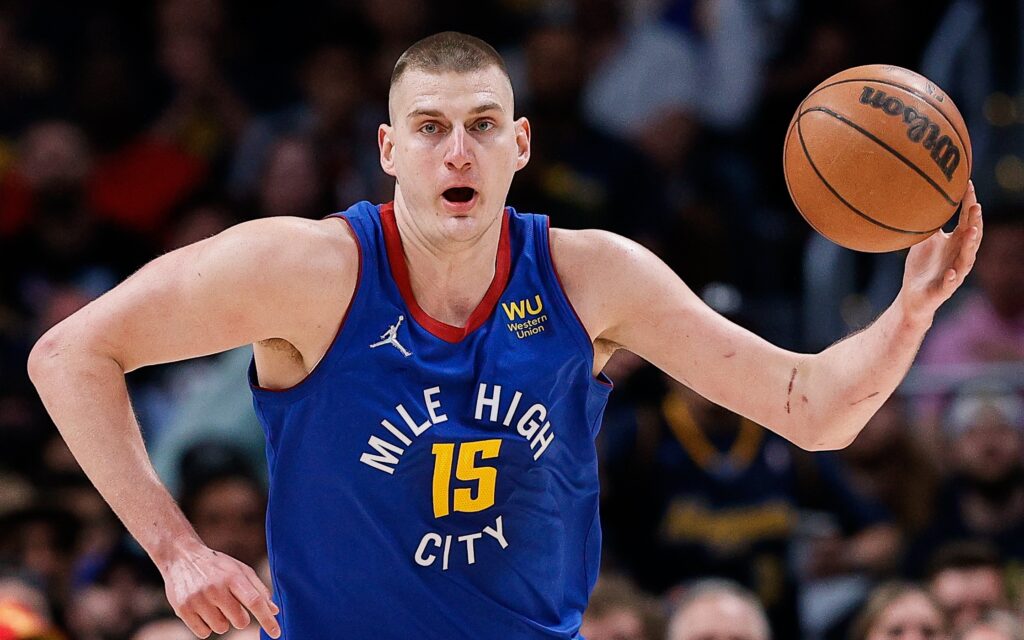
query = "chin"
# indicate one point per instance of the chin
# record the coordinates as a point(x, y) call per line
point(462, 225)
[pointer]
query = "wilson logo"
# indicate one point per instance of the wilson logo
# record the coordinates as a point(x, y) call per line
point(522, 308)
point(920, 129)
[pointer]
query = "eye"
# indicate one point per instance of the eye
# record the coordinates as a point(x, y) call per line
point(430, 128)
point(484, 125)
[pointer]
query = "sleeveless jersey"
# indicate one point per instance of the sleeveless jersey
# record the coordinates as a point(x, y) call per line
point(431, 481)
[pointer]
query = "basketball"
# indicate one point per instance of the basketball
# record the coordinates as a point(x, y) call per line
point(877, 158)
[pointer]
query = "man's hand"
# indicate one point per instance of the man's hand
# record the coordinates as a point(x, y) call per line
point(936, 267)
point(211, 592)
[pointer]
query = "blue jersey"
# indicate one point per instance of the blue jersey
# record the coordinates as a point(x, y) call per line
point(431, 481)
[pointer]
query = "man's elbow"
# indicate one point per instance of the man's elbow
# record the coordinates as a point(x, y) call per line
point(44, 355)
point(65, 345)
point(827, 438)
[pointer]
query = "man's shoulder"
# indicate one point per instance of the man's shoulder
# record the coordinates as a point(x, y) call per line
point(595, 268)
point(592, 251)
point(295, 244)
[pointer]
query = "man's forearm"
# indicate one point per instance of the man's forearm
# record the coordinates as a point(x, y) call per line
point(847, 383)
point(87, 398)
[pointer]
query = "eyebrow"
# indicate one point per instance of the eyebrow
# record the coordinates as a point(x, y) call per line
point(434, 113)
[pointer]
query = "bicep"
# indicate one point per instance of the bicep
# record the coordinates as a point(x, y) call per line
point(211, 296)
point(658, 317)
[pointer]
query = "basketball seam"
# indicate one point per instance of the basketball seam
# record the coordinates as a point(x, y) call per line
point(800, 134)
point(913, 92)
point(884, 145)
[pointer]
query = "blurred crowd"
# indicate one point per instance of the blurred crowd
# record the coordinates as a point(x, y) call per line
point(130, 129)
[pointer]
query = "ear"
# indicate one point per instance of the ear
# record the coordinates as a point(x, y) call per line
point(522, 126)
point(387, 149)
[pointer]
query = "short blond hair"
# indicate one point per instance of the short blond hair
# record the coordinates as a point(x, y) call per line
point(448, 51)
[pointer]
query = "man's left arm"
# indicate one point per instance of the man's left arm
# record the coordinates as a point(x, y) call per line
point(817, 401)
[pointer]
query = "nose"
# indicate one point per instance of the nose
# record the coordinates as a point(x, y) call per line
point(457, 155)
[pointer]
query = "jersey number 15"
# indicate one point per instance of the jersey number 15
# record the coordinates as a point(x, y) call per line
point(464, 499)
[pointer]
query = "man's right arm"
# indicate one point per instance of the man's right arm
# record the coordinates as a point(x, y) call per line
point(276, 278)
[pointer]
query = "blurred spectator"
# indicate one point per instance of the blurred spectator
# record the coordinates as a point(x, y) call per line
point(619, 611)
point(24, 612)
point(685, 64)
point(126, 591)
point(28, 77)
point(218, 410)
point(292, 183)
point(577, 175)
point(224, 502)
point(995, 625)
point(900, 611)
point(706, 492)
point(41, 541)
point(205, 114)
point(888, 464)
point(333, 116)
point(988, 326)
point(967, 580)
point(718, 610)
point(984, 496)
point(55, 254)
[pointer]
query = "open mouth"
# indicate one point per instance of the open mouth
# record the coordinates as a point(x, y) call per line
point(459, 194)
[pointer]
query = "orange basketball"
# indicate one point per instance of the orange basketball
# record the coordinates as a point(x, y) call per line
point(877, 158)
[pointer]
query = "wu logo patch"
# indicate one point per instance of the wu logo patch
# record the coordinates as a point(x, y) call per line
point(391, 337)
point(527, 316)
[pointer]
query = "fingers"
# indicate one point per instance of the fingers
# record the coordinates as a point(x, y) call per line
point(233, 611)
point(969, 200)
point(213, 617)
point(195, 624)
point(254, 596)
point(970, 230)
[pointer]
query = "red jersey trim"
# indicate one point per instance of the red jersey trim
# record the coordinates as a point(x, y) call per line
point(400, 273)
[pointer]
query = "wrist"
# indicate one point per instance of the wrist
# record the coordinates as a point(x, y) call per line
point(168, 549)
point(913, 315)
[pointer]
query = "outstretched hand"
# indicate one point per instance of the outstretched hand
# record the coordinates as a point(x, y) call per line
point(936, 267)
point(212, 592)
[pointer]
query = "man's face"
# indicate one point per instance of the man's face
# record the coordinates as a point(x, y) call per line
point(717, 617)
point(619, 624)
point(990, 449)
point(229, 517)
point(966, 594)
point(453, 147)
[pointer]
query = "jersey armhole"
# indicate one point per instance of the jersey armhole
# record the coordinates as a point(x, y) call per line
point(334, 350)
point(601, 381)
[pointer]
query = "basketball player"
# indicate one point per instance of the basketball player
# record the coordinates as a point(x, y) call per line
point(428, 372)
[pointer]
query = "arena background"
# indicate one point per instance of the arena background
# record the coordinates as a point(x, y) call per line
point(128, 129)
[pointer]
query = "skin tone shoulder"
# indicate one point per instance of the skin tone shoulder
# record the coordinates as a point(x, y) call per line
point(283, 284)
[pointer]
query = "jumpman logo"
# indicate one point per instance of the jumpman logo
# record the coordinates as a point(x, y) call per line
point(391, 337)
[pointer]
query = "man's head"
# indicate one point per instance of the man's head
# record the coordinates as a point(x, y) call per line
point(995, 625)
point(985, 422)
point(452, 144)
point(719, 610)
point(899, 611)
point(967, 580)
point(619, 611)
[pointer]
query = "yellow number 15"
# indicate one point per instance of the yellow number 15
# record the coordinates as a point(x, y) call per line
point(467, 471)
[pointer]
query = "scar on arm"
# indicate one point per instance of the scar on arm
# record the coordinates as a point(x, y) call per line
point(789, 393)
point(730, 354)
point(864, 398)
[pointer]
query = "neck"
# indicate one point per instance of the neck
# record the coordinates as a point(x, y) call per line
point(449, 276)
